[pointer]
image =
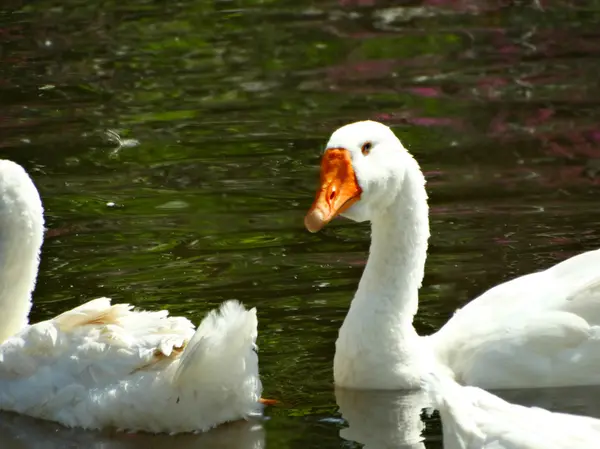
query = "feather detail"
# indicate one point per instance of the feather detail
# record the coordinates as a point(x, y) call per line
point(109, 366)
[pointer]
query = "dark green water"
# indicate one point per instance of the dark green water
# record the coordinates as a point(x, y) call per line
point(222, 108)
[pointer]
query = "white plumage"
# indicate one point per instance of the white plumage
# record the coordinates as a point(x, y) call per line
point(539, 330)
point(101, 365)
point(475, 419)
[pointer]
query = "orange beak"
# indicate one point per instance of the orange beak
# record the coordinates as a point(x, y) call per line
point(338, 191)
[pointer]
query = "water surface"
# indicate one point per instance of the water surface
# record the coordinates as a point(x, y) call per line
point(176, 146)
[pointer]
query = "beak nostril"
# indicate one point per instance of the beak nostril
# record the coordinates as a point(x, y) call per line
point(332, 194)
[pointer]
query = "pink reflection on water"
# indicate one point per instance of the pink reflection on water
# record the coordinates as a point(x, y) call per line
point(406, 117)
point(430, 92)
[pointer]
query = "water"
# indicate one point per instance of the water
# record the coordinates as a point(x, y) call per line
point(176, 145)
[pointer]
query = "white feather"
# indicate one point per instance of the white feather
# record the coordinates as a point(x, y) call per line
point(108, 366)
point(540, 330)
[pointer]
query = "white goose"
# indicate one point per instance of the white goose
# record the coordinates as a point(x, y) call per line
point(108, 366)
point(539, 330)
point(472, 418)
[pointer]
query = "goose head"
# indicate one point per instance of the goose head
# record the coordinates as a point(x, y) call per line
point(362, 171)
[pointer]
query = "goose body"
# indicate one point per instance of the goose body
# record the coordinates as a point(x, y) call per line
point(538, 330)
point(108, 366)
point(472, 418)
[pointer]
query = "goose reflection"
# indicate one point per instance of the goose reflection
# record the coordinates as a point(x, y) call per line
point(24, 432)
point(578, 400)
point(383, 419)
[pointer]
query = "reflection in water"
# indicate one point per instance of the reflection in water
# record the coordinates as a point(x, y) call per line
point(392, 419)
point(24, 432)
point(383, 419)
point(581, 400)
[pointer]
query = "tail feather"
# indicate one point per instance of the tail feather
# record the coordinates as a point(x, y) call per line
point(222, 347)
point(219, 366)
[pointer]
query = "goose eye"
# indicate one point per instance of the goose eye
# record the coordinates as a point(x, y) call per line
point(366, 148)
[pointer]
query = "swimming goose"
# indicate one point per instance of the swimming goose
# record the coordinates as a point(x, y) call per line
point(109, 366)
point(538, 330)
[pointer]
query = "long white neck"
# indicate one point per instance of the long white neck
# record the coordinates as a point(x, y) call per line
point(378, 346)
point(21, 237)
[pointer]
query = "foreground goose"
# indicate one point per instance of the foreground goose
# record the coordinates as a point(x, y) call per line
point(534, 331)
point(101, 365)
point(472, 418)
